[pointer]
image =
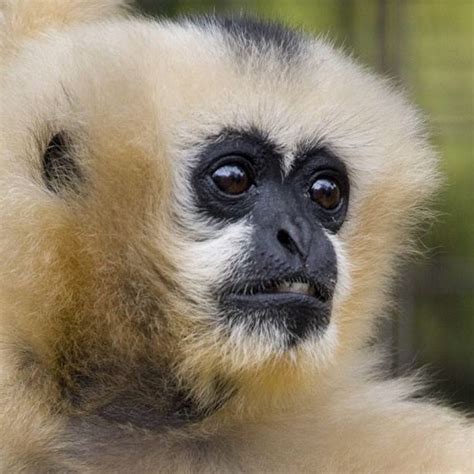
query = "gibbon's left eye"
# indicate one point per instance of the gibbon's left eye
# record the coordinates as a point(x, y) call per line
point(326, 192)
point(232, 179)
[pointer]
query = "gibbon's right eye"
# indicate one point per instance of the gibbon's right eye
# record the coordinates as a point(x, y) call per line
point(232, 179)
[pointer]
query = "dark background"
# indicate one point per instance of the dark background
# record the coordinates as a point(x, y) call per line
point(427, 45)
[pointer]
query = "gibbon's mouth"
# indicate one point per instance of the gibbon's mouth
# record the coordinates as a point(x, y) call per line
point(295, 307)
point(283, 289)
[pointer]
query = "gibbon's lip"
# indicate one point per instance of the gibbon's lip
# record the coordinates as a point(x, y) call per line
point(283, 288)
point(296, 304)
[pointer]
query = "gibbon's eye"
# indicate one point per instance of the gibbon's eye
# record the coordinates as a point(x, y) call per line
point(232, 179)
point(326, 192)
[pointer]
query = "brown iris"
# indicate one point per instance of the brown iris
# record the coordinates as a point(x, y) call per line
point(232, 179)
point(325, 191)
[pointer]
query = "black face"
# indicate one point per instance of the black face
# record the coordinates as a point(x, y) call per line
point(288, 278)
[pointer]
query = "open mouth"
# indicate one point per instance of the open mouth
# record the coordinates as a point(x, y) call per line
point(294, 305)
point(289, 286)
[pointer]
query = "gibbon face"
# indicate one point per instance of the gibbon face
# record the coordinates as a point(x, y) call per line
point(190, 195)
point(287, 274)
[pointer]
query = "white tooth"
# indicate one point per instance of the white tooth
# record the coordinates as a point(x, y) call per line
point(293, 287)
point(300, 287)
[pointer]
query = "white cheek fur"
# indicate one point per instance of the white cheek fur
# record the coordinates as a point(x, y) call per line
point(206, 263)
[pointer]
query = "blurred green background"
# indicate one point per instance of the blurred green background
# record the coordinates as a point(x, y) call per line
point(428, 46)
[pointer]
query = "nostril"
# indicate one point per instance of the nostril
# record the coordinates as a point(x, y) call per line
point(285, 239)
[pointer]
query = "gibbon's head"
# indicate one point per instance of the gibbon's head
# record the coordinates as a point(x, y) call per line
point(211, 204)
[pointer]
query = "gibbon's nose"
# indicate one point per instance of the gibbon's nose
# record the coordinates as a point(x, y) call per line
point(295, 236)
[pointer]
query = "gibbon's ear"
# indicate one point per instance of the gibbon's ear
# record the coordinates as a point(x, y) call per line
point(22, 19)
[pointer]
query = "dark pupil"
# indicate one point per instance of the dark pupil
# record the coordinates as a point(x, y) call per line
point(232, 179)
point(326, 193)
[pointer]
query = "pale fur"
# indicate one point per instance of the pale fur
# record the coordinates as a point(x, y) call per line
point(85, 271)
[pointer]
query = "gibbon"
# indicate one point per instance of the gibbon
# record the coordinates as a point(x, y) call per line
point(200, 223)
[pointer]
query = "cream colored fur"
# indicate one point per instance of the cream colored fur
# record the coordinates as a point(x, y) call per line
point(121, 271)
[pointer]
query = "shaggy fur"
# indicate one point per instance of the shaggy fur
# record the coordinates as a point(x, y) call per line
point(112, 357)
